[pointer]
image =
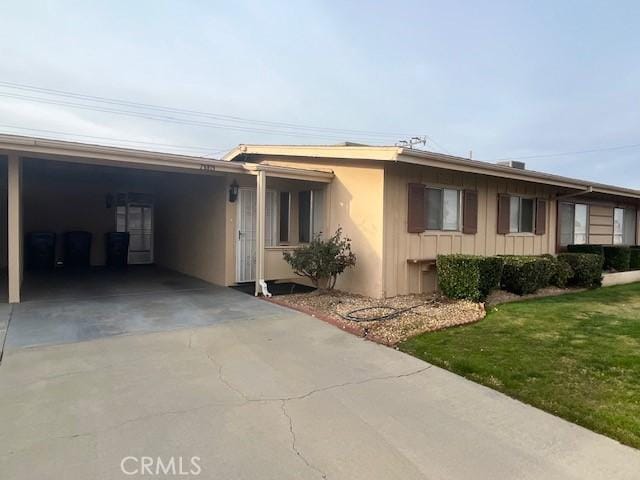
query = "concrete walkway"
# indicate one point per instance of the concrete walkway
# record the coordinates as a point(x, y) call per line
point(275, 395)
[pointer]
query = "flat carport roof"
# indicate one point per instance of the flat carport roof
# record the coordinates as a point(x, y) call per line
point(16, 147)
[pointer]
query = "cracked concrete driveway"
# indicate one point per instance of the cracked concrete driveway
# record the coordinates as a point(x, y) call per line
point(279, 396)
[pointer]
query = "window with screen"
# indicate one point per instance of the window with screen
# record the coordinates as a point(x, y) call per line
point(624, 226)
point(285, 209)
point(442, 209)
point(574, 224)
point(310, 214)
point(522, 215)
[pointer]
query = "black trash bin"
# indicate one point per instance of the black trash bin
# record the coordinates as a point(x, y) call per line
point(117, 244)
point(40, 250)
point(77, 249)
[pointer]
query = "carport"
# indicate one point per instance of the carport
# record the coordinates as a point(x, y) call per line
point(180, 211)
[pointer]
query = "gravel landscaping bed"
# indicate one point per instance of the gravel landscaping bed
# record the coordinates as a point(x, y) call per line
point(502, 296)
point(431, 313)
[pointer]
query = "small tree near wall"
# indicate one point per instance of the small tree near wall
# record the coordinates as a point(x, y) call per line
point(322, 261)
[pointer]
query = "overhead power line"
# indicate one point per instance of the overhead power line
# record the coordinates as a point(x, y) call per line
point(242, 121)
point(210, 149)
point(576, 152)
point(169, 119)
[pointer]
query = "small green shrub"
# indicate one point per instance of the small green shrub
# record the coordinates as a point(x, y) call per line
point(634, 259)
point(526, 274)
point(597, 249)
point(562, 272)
point(617, 258)
point(587, 268)
point(322, 260)
point(468, 276)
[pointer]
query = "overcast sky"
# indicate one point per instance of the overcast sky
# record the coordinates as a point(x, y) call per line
point(503, 79)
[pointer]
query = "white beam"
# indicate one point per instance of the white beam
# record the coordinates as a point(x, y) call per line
point(261, 201)
point(14, 226)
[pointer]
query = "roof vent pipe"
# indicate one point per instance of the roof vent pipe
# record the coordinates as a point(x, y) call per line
point(513, 164)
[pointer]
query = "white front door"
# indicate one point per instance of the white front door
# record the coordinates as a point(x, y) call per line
point(246, 236)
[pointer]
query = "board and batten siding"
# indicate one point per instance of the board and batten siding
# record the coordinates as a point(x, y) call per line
point(402, 278)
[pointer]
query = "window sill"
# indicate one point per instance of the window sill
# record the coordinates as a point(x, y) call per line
point(521, 234)
point(281, 247)
point(443, 232)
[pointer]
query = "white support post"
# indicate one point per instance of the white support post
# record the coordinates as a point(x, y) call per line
point(14, 227)
point(261, 201)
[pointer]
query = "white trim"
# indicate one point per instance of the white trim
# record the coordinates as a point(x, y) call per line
point(261, 197)
point(425, 158)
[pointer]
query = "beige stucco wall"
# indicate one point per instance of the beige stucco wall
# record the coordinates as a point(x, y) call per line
point(355, 203)
point(402, 278)
point(189, 226)
point(3, 213)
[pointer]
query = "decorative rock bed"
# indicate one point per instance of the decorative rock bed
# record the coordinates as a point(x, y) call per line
point(430, 313)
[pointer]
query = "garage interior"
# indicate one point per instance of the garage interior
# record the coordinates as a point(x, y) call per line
point(175, 222)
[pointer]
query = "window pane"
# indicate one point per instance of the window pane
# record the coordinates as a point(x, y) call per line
point(514, 221)
point(433, 208)
point(451, 210)
point(618, 221)
point(580, 224)
point(630, 226)
point(121, 221)
point(270, 221)
point(527, 215)
point(318, 212)
point(284, 216)
point(304, 216)
point(566, 224)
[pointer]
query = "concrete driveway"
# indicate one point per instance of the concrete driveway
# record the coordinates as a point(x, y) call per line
point(64, 307)
point(273, 394)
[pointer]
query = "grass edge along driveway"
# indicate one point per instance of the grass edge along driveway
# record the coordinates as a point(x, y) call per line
point(576, 356)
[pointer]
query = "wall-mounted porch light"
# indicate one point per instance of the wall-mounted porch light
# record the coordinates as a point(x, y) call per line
point(233, 191)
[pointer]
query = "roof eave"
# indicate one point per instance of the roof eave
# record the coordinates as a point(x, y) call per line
point(100, 154)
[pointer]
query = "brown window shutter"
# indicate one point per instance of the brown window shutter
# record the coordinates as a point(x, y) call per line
point(541, 216)
point(504, 214)
point(470, 212)
point(416, 219)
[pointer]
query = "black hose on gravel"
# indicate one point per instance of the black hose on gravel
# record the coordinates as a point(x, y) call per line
point(356, 315)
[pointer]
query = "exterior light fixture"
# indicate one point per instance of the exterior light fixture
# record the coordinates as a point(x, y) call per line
point(233, 191)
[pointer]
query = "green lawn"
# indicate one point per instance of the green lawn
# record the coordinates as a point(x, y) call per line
point(576, 356)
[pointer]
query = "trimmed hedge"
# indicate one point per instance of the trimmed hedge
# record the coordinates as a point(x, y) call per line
point(562, 272)
point(617, 258)
point(490, 274)
point(526, 274)
point(587, 268)
point(597, 249)
point(468, 276)
point(634, 259)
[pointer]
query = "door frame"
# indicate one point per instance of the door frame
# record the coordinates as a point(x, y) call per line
point(238, 233)
point(275, 226)
point(151, 208)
